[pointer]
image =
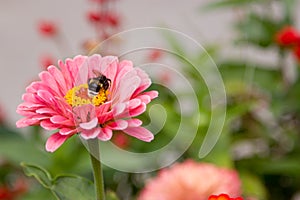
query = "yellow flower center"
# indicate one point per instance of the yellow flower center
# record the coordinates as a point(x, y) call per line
point(78, 96)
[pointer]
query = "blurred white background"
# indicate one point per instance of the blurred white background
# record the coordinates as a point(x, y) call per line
point(21, 46)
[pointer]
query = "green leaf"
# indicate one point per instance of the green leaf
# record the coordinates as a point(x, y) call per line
point(229, 3)
point(64, 187)
point(73, 187)
point(289, 7)
point(257, 30)
point(110, 195)
point(252, 186)
point(40, 174)
point(250, 73)
point(176, 46)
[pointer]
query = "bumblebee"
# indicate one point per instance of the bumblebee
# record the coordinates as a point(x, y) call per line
point(97, 83)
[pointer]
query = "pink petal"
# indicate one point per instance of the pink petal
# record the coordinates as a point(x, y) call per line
point(93, 64)
point(135, 107)
point(58, 119)
point(89, 125)
point(126, 87)
point(48, 125)
point(118, 109)
point(29, 106)
point(67, 131)
point(66, 73)
point(123, 67)
point(140, 133)
point(36, 86)
point(89, 134)
point(59, 78)
point(26, 122)
point(55, 141)
point(106, 62)
point(103, 118)
point(72, 68)
point(118, 125)
point(144, 98)
point(39, 117)
point(49, 80)
point(45, 111)
point(134, 122)
point(27, 113)
point(84, 113)
point(28, 97)
point(82, 74)
point(134, 103)
point(105, 134)
point(137, 111)
point(45, 96)
point(152, 94)
point(111, 71)
point(103, 108)
point(145, 82)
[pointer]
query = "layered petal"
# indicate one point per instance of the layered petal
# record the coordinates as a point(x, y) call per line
point(55, 141)
point(140, 133)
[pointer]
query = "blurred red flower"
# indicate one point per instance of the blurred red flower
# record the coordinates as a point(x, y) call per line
point(288, 36)
point(155, 55)
point(46, 61)
point(94, 16)
point(223, 197)
point(112, 19)
point(2, 115)
point(296, 52)
point(121, 140)
point(19, 187)
point(47, 28)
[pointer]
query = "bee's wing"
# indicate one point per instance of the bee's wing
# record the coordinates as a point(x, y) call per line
point(96, 72)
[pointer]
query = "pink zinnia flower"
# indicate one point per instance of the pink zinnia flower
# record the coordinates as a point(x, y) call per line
point(60, 101)
point(193, 181)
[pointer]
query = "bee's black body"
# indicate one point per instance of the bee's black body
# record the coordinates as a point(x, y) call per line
point(95, 85)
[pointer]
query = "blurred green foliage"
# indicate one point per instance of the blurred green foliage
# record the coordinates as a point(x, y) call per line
point(260, 136)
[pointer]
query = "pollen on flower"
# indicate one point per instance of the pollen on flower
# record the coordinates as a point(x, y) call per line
point(77, 96)
point(100, 98)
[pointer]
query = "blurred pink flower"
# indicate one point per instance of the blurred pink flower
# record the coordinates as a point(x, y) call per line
point(61, 101)
point(191, 181)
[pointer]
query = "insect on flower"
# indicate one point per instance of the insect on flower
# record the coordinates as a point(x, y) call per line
point(97, 83)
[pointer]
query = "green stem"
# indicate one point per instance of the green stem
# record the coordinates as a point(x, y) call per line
point(97, 169)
